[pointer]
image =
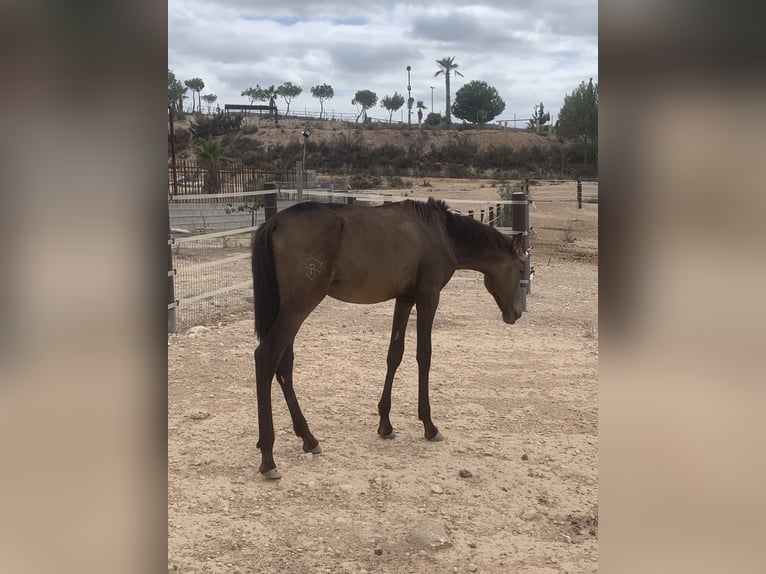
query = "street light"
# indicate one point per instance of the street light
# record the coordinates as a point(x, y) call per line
point(409, 99)
point(432, 99)
point(306, 134)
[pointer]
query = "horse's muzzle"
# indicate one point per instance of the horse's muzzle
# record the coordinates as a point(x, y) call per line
point(509, 318)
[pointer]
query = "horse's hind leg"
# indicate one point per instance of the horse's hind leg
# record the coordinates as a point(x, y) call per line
point(300, 426)
point(395, 351)
point(268, 356)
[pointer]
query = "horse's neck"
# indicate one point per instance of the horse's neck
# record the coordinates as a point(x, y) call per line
point(481, 260)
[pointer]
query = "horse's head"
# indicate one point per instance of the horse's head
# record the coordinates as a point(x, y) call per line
point(503, 279)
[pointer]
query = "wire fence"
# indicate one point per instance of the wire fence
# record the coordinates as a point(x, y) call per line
point(213, 273)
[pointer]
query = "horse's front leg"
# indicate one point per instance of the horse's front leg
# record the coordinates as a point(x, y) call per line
point(426, 307)
point(394, 359)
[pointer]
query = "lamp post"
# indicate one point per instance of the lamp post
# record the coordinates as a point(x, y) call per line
point(306, 134)
point(432, 99)
point(409, 99)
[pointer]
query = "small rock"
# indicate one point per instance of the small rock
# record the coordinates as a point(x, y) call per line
point(525, 456)
point(306, 456)
point(197, 330)
point(472, 545)
point(378, 551)
point(436, 489)
point(472, 568)
point(367, 534)
point(431, 534)
point(199, 415)
point(465, 473)
point(311, 484)
point(528, 515)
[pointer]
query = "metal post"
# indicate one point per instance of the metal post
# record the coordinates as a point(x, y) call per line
point(481, 218)
point(432, 98)
point(172, 303)
point(579, 192)
point(409, 99)
point(492, 216)
point(520, 224)
point(270, 200)
point(470, 213)
point(299, 179)
point(172, 153)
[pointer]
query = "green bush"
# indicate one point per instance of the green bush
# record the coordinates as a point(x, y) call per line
point(216, 125)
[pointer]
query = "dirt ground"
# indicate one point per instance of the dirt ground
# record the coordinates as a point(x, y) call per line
point(514, 485)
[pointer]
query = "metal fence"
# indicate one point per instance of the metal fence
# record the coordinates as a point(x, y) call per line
point(187, 178)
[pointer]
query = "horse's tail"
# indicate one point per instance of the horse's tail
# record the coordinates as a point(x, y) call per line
point(265, 286)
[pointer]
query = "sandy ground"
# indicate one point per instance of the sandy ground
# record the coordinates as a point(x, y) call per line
point(514, 485)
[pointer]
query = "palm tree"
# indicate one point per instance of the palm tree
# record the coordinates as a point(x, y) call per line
point(446, 66)
point(420, 106)
point(210, 156)
point(272, 94)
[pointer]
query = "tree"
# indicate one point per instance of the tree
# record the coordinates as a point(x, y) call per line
point(364, 100)
point(210, 99)
point(434, 119)
point(195, 85)
point(251, 94)
point(539, 118)
point(477, 102)
point(176, 92)
point(447, 66)
point(288, 91)
point(420, 106)
point(323, 93)
point(210, 156)
point(392, 103)
point(578, 118)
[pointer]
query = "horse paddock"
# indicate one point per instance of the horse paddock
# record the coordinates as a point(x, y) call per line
point(513, 488)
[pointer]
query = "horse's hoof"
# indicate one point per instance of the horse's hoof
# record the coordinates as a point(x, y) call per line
point(390, 435)
point(272, 474)
point(438, 437)
point(316, 450)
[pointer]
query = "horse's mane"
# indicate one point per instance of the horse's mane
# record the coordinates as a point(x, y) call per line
point(461, 228)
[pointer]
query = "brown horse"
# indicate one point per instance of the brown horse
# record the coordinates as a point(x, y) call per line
point(404, 251)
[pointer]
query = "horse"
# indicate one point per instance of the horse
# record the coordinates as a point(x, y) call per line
point(406, 251)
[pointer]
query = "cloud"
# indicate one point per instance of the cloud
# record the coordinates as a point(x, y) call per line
point(528, 51)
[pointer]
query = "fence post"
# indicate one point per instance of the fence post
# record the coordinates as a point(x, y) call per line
point(387, 201)
point(174, 188)
point(481, 216)
point(350, 199)
point(520, 224)
point(299, 179)
point(270, 200)
point(492, 217)
point(470, 213)
point(579, 192)
point(172, 305)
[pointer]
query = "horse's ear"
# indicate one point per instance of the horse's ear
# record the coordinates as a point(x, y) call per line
point(517, 243)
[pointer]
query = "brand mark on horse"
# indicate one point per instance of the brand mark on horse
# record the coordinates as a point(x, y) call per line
point(313, 267)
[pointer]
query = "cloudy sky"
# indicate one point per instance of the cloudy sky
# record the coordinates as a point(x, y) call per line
point(529, 51)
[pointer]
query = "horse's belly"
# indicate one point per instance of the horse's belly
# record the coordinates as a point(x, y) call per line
point(366, 294)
